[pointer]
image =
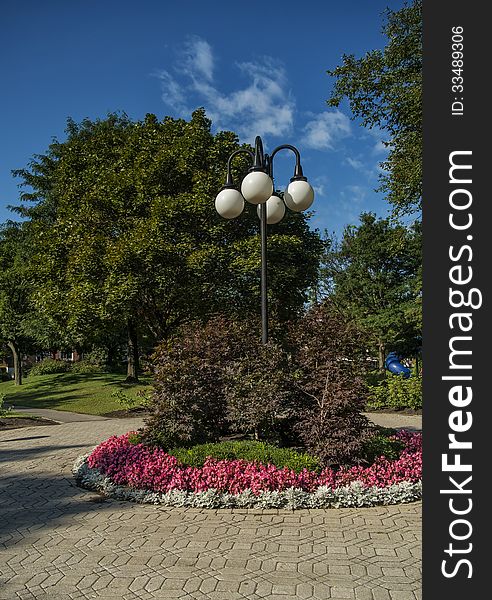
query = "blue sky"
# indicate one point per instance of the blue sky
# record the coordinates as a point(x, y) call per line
point(258, 68)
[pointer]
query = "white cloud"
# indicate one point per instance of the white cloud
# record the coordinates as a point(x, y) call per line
point(356, 164)
point(263, 106)
point(320, 184)
point(380, 136)
point(198, 58)
point(364, 164)
point(173, 94)
point(379, 148)
point(326, 129)
point(354, 194)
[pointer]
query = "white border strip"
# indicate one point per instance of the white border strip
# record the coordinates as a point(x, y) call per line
point(350, 496)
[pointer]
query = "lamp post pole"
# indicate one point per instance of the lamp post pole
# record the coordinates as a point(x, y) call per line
point(264, 277)
point(257, 188)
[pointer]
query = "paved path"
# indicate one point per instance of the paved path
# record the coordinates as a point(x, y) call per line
point(62, 416)
point(396, 420)
point(58, 542)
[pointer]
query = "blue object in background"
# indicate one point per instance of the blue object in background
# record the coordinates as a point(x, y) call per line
point(393, 364)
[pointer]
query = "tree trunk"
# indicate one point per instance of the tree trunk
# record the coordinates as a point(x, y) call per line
point(17, 363)
point(111, 356)
point(381, 355)
point(133, 363)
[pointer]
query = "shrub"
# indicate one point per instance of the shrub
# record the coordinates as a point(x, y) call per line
point(382, 443)
point(396, 392)
point(330, 356)
point(333, 428)
point(94, 361)
point(141, 398)
point(215, 378)
point(97, 357)
point(260, 390)
point(85, 368)
point(375, 377)
point(4, 411)
point(246, 450)
point(49, 366)
point(187, 405)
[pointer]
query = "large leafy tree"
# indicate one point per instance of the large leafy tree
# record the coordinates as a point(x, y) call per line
point(17, 315)
point(384, 89)
point(127, 238)
point(373, 276)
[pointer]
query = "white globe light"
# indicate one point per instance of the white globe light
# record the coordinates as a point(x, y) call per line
point(275, 210)
point(229, 203)
point(299, 195)
point(257, 187)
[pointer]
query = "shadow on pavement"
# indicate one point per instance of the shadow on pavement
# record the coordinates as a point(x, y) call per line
point(29, 453)
point(20, 439)
point(29, 503)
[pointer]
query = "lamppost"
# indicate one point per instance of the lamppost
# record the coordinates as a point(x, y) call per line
point(257, 188)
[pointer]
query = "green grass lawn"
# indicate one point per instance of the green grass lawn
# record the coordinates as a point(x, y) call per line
point(11, 414)
point(74, 392)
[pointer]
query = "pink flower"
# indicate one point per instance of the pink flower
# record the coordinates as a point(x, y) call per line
point(139, 466)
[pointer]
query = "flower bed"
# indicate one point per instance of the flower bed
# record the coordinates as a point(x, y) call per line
point(136, 472)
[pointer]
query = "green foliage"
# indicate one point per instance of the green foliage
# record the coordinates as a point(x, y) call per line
point(4, 411)
point(124, 399)
point(246, 450)
point(141, 398)
point(375, 377)
point(49, 366)
point(14, 289)
point(97, 356)
point(373, 276)
point(396, 392)
point(16, 311)
point(384, 89)
point(94, 361)
point(381, 444)
point(85, 367)
point(125, 234)
point(134, 438)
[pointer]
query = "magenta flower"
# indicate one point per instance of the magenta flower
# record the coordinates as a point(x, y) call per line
point(139, 466)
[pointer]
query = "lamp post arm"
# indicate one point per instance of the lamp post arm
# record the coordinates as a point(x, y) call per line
point(298, 174)
point(229, 182)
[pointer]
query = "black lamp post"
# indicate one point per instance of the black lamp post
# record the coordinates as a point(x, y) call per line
point(257, 188)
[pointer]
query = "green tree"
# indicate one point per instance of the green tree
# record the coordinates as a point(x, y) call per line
point(16, 312)
point(384, 89)
point(374, 277)
point(126, 235)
